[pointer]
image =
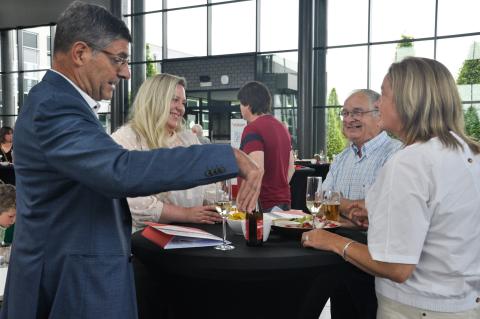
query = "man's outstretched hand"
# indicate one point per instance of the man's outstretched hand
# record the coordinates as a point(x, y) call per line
point(252, 175)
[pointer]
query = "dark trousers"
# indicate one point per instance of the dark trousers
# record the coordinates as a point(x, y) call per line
point(351, 292)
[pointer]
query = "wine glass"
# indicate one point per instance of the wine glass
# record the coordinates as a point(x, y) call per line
point(313, 196)
point(295, 155)
point(223, 204)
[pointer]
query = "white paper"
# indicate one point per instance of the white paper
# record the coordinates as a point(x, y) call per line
point(186, 237)
point(236, 130)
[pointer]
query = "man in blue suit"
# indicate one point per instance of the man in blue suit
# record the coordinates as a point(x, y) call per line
point(71, 253)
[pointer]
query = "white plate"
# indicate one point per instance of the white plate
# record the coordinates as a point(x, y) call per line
point(288, 223)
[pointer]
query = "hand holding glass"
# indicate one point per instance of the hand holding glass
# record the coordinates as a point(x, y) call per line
point(313, 197)
point(223, 204)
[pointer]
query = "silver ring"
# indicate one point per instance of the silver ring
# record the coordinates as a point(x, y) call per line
point(306, 237)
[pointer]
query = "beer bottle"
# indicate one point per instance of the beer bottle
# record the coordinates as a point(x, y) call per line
point(254, 227)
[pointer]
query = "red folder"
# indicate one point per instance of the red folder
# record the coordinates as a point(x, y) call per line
point(159, 238)
point(173, 236)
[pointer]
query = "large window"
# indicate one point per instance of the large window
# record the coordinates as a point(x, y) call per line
point(153, 35)
point(187, 30)
point(362, 44)
point(340, 63)
point(29, 57)
point(278, 25)
point(233, 28)
point(187, 42)
point(26, 57)
point(36, 50)
point(363, 38)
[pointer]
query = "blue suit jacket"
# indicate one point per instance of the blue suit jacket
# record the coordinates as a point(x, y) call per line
point(71, 251)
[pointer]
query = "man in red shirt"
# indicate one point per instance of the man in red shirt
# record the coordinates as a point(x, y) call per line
point(268, 143)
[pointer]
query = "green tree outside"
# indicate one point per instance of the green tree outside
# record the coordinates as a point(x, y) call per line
point(335, 140)
point(470, 72)
point(151, 67)
point(472, 123)
point(470, 75)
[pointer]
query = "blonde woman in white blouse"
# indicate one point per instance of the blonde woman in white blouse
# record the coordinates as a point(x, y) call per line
point(424, 207)
point(156, 121)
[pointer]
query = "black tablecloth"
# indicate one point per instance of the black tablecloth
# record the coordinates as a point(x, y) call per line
point(217, 284)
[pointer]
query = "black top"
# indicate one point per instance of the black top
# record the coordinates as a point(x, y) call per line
point(7, 174)
point(6, 156)
point(278, 256)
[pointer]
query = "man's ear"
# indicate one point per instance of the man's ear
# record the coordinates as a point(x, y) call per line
point(80, 53)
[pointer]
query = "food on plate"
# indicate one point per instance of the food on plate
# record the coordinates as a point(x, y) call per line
point(304, 223)
point(303, 219)
point(236, 216)
point(328, 224)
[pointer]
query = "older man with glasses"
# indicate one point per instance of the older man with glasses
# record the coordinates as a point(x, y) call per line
point(356, 167)
point(351, 173)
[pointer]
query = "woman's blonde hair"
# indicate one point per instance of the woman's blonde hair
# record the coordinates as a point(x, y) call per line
point(151, 108)
point(428, 102)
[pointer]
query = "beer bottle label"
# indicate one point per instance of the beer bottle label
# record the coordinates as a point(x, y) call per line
point(260, 229)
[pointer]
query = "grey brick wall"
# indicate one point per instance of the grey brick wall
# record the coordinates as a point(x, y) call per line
point(240, 69)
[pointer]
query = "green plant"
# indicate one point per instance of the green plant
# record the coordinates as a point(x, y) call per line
point(151, 67)
point(470, 72)
point(335, 140)
point(472, 123)
point(406, 42)
point(469, 75)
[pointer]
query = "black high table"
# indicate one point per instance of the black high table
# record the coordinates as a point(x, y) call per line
point(321, 169)
point(208, 283)
point(298, 183)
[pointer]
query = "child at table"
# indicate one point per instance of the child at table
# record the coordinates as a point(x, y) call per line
point(8, 209)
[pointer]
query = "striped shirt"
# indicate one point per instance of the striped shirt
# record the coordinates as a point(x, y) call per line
point(353, 175)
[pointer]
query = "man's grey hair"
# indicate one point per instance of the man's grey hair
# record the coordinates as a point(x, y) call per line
point(371, 95)
point(89, 23)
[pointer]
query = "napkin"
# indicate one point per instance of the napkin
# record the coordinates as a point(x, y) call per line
point(294, 213)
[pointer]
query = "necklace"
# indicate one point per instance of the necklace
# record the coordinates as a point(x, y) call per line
point(4, 149)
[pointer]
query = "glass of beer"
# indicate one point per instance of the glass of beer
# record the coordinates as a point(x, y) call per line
point(331, 205)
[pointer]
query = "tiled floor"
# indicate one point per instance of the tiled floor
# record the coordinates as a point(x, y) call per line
point(326, 311)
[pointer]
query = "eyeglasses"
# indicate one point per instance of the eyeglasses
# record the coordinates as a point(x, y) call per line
point(356, 113)
point(114, 58)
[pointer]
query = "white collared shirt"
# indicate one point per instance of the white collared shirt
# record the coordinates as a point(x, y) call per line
point(424, 209)
point(94, 105)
